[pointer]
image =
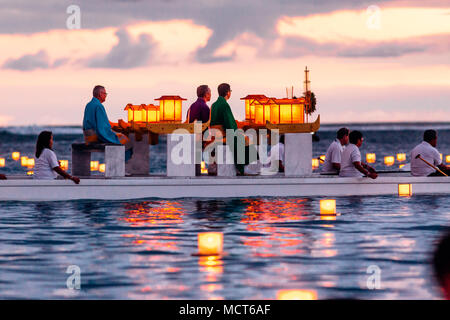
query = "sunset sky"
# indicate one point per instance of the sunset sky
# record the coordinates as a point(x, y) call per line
point(366, 65)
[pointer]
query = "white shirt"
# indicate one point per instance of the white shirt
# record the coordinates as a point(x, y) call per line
point(333, 155)
point(350, 154)
point(44, 165)
point(428, 153)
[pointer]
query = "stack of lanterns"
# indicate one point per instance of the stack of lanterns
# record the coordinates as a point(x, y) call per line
point(169, 110)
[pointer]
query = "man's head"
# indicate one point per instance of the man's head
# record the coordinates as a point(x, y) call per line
point(99, 92)
point(356, 138)
point(342, 135)
point(224, 90)
point(441, 265)
point(430, 136)
point(204, 92)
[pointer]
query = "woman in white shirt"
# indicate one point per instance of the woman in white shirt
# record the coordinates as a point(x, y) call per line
point(46, 164)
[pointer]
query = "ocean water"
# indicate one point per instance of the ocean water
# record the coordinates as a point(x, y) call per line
point(145, 249)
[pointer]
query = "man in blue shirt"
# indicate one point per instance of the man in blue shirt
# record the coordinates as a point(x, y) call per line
point(96, 126)
point(199, 110)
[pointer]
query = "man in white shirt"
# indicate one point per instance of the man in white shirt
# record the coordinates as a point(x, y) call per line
point(351, 165)
point(333, 156)
point(427, 151)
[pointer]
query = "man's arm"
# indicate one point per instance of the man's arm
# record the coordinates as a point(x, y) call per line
point(104, 130)
point(370, 173)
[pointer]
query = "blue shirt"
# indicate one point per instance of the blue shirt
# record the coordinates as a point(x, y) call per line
point(95, 118)
point(199, 111)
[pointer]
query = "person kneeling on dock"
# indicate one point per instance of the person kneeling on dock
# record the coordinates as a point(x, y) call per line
point(351, 164)
point(96, 126)
point(333, 156)
point(46, 165)
point(425, 158)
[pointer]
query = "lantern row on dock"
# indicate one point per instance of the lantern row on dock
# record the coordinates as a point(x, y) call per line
point(169, 110)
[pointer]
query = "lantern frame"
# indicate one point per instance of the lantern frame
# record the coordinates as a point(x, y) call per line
point(249, 108)
point(177, 108)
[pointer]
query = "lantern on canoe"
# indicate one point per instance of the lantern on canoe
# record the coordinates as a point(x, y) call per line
point(250, 107)
point(288, 111)
point(264, 110)
point(170, 108)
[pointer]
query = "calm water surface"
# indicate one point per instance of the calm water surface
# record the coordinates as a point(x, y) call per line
point(143, 249)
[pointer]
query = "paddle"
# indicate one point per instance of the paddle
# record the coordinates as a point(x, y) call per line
point(435, 168)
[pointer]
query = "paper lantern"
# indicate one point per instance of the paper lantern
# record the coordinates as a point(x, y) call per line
point(389, 161)
point(249, 107)
point(64, 164)
point(288, 111)
point(401, 157)
point(23, 161)
point(94, 165)
point(15, 155)
point(328, 206)
point(2, 162)
point(315, 163)
point(447, 159)
point(371, 157)
point(296, 295)
point(30, 163)
point(170, 108)
point(102, 167)
point(210, 243)
point(405, 190)
point(203, 167)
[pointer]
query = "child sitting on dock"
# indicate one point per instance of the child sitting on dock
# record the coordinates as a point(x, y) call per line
point(47, 166)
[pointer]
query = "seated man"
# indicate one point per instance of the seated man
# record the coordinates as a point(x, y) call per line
point(333, 156)
point(351, 165)
point(199, 110)
point(428, 152)
point(222, 118)
point(96, 126)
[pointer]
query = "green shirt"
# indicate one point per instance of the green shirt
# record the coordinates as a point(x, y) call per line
point(221, 114)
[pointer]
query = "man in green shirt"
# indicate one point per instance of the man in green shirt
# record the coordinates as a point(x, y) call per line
point(222, 118)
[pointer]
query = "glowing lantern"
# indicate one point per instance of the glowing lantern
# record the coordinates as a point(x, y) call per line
point(249, 106)
point(102, 167)
point(16, 156)
point(64, 164)
point(328, 206)
point(401, 166)
point(210, 243)
point(134, 113)
point(288, 111)
point(203, 167)
point(150, 113)
point(389, 161)
point(447, 159)
point(30, 173)
point(296, 295)
point(170, 108)
point(371, 157)
point(315, 163)
point(23, 161)
point(401, 157)
point(2, 162)
point(264, 109)
point(322, 157)
point(405, 190)
point(94, 165)
point(30, 163)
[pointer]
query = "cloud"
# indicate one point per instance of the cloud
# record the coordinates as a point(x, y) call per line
point(126, 54)
point(28, 62)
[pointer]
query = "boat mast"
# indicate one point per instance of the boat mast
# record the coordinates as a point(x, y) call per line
point(307, 92)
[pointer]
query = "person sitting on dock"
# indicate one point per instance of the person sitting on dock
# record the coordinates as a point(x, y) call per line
point(47, 166)
point(351, 164)
point(96, 126)
point(333, 156)
point(425, 158)
point(222, 118)
point(199, 110)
